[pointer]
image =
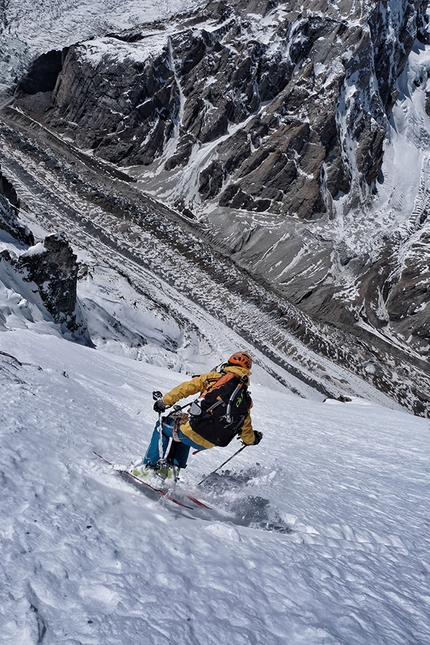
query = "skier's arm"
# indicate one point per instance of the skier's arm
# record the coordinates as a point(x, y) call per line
point(195, 386)
point(247, 435)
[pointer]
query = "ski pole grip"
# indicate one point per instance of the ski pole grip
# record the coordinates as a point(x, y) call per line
point(157, 395)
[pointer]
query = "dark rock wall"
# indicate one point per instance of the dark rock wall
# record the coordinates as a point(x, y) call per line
point(43, 72)
point(55, 271)
point(324, 78)
point(9, 209)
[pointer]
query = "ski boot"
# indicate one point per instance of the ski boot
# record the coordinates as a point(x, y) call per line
point(165, 470)
point(139, 469)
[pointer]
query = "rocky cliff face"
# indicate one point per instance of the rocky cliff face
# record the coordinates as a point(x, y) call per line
point(47, 270)
point(9, 209)
point(52, 266)
point(289, 105)
point(266, 121)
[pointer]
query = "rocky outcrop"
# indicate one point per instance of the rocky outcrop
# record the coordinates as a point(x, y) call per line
point(52, 266)
point(50, 270)
point(9, 217)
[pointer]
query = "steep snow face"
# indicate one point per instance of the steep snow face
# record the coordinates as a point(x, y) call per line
point(395, 283)
point(86, 559)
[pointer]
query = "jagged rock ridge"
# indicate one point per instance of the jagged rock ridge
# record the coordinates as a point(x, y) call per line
point(273, 98)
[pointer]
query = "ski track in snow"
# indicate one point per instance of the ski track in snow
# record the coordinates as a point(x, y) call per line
point(89, 560)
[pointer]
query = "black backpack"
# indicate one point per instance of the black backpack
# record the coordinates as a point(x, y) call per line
point(220, 414)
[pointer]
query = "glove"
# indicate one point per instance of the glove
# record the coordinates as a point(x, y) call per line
point(257, 437)
point(160, 406)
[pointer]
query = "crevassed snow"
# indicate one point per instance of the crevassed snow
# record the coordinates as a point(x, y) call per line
point(29, 28)
point(49, 24)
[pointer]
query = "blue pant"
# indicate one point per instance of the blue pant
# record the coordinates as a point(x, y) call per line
point(178, 452)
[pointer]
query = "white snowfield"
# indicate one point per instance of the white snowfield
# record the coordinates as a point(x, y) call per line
point(49, 24)
point(88, 560)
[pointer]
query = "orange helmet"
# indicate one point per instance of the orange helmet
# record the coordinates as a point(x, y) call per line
point(242, 359)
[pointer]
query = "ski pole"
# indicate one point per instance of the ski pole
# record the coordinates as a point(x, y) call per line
point(223, 464)
point(156, 396)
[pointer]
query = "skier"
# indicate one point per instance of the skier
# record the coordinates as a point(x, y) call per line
point(221, 412)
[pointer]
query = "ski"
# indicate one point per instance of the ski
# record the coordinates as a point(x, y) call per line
point(197, 501)
point(127, 475)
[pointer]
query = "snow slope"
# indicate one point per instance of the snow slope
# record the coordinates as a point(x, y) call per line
point(86, 559)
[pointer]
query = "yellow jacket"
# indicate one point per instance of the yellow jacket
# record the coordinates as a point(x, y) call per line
point(200, 385)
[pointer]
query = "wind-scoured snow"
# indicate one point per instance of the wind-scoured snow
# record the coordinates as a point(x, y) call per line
point(86, 559)
point(319, 535)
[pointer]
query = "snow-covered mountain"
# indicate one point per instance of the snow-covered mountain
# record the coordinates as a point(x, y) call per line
point(274, 126)
point(293, 139)
point(318, 535)
point(28, 29)
point(363, 268)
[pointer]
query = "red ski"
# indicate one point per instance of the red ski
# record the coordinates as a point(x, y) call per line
point(136, 481)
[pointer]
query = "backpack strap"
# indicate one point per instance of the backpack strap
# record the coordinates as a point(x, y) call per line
point(216, 384)
point(243, 381)
point(210, 382)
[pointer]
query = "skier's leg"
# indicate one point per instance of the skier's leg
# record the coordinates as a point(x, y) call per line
point(182, 449)
point(179, 451)
point(152, 455)
point(179, 456)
